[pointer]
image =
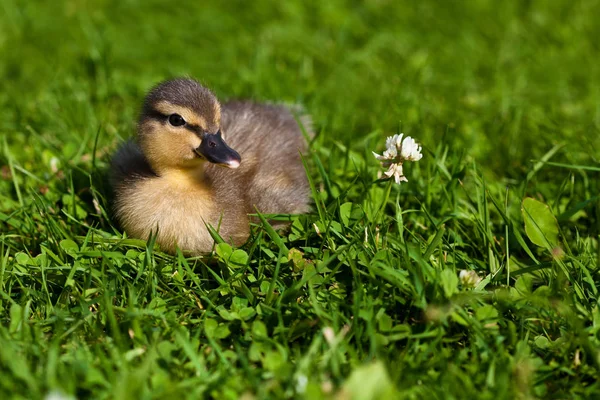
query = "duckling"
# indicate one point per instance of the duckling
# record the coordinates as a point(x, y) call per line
point(195, 162)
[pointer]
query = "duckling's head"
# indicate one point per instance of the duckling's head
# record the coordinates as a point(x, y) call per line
point(180, 127)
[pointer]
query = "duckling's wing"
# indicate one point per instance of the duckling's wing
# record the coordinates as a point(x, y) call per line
point(252, 127)
point(129, 164)
point(270, 142)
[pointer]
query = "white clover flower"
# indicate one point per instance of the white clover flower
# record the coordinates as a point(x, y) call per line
point(395, 170)
point(469, 279)
point(58, 395)
point(410, 150)
point(301, 382)
point(398, 149)
point(329, 334)
point(54, 164)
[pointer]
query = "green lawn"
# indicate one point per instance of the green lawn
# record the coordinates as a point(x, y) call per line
point(362, 299)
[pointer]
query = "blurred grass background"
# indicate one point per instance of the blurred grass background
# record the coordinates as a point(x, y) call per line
point(529, 67)
point(489, 88)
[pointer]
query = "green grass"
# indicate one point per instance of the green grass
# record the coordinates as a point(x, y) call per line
point(504, 97)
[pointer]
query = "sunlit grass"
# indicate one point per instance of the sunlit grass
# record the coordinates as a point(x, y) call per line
point(363, 298)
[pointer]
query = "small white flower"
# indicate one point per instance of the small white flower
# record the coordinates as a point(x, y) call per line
point(395, 170)
point(329, 334)
point(390, 153)
point(469, 279)
point(410, 150)
point(395, 140)
point(58, 395)
point(301, 382)
point(331, 338)
point(398, 149)
point(54, 164)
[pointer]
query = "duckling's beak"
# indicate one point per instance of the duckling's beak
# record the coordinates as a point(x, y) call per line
point(215, 150)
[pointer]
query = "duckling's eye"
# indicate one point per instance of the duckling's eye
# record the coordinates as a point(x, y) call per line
point(176, 120)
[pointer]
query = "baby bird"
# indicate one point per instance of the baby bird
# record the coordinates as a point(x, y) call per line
point(170, 179)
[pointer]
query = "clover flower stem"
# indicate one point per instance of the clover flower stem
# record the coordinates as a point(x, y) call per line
point(386, 197)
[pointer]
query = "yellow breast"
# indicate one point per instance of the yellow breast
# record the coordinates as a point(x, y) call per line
point(175, 207)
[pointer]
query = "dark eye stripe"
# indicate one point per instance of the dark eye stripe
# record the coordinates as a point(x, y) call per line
point(155, 114)
point(194, 128)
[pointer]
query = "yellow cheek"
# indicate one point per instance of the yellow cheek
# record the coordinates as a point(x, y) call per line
point(182, 145)
point(195, 142)
point(177, 137)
